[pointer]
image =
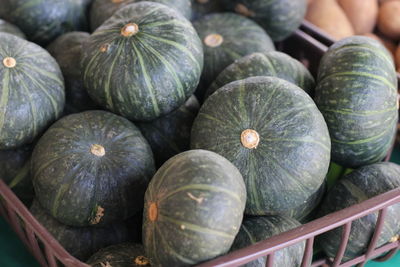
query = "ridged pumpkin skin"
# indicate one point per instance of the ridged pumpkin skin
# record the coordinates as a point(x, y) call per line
point(101, 10)
point(81, 242)
point(272, 131)
point(360, 185)
point(201, 8)
point(357, 94)
point(148, 74)
point(275, 64)
point(170, 134)
point(92, 168)
point(31, 91)
point(121, 255)
point(227, 37)
point(43, 21)
point(256, 229)
point(280, 18)
point(10, 28)
point(193, 209)
point(67, 50)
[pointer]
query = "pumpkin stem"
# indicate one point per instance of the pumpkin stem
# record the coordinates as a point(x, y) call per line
point(98, 150)
point(243, 10)
point(250, 138)
point(9, 62)
point(130, 29)
point(153, 212)
point(213, 40)
point(142, 260)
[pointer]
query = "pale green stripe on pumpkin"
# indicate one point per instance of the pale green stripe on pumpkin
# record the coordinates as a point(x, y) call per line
point(251, 182)
point(107, 92)
point(4, 97)
point(164, 174)
point(231, 53)
point(89, 66)
point(375, 50)
point(57, 200)
point(32, 55)
point(49, 75)
point(163, 23)
point(252, 240)
point(193, 227)
point(354, 190)
point(242, 106)
point(269, 63)
point(297, 140)
point(264, 109)
point(32, 105)
point(360, 113)
point(20, 175)
point(209, 117)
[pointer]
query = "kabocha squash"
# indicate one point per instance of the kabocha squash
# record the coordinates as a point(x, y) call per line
point(121, 255)
point(31, 91)
point(272, 131)
point(256, 229)
point(80, 242)
point(101, 10)
point(279, 18)
point(193, 209)
point(357, 94)
point(272, 63)
point(10, 28)
point(92, 168)
point(144, 62)
point(227, 37)
point(360, 185)
point(67, 50)
point(201, 8)
point(41, 20)
point(170, 134)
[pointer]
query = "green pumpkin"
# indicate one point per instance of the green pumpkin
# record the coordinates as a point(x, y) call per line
point(67, 50)
point(183, 219)
point(80, 242)
point(92, 168)
point(170, 134)
point(121, 255)
point(280, 18)
point(42, 20)
point(272, 63)
point(357, 94)
point(201, 8)
point(144, 62)
point(31, 91)
point(364, 183)
point(272, 131)
point(101, 10)
point(227, 37)
point(256, 229)
point(10, 28)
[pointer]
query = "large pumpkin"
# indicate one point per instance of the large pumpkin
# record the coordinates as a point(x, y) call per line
point(92, 168)
point(31, 91)
point(144, 62)
point(272, 131)
point(10, 28)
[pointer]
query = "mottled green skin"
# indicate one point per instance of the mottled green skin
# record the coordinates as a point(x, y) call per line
point(241, 36)
point(201, 8)
point(71, 182)
point(31, 93)
point(170, 134)
point(80, 242)
point(101, 10)
point(275, 64)
point(356, 187)
point(67, 50)
point(280, 18)
point(43, 21)
point(256, 229)
point(200, 198)
point(287, 169)
point(121, 255)
point(10, 28)
point(357, 94)
point(146, 75)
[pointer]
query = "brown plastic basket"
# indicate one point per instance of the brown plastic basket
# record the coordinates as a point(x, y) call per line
point(49, 252)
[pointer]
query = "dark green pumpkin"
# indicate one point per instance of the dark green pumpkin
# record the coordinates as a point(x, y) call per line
point(101, 10)
point(256, 229)
point(31, 91)
point(144, 62)
point(80, 242)
point(201, 8)
point(357, 94)
point(10, 28)
point(193, 209)
point(67, 50)
point(170, 134)
point(272, 63)
point(272, 131)
point(279, 18)
point(92, 168)
point(121, 255)
point(356, 187)
point(227, 37)
point(42, 20)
